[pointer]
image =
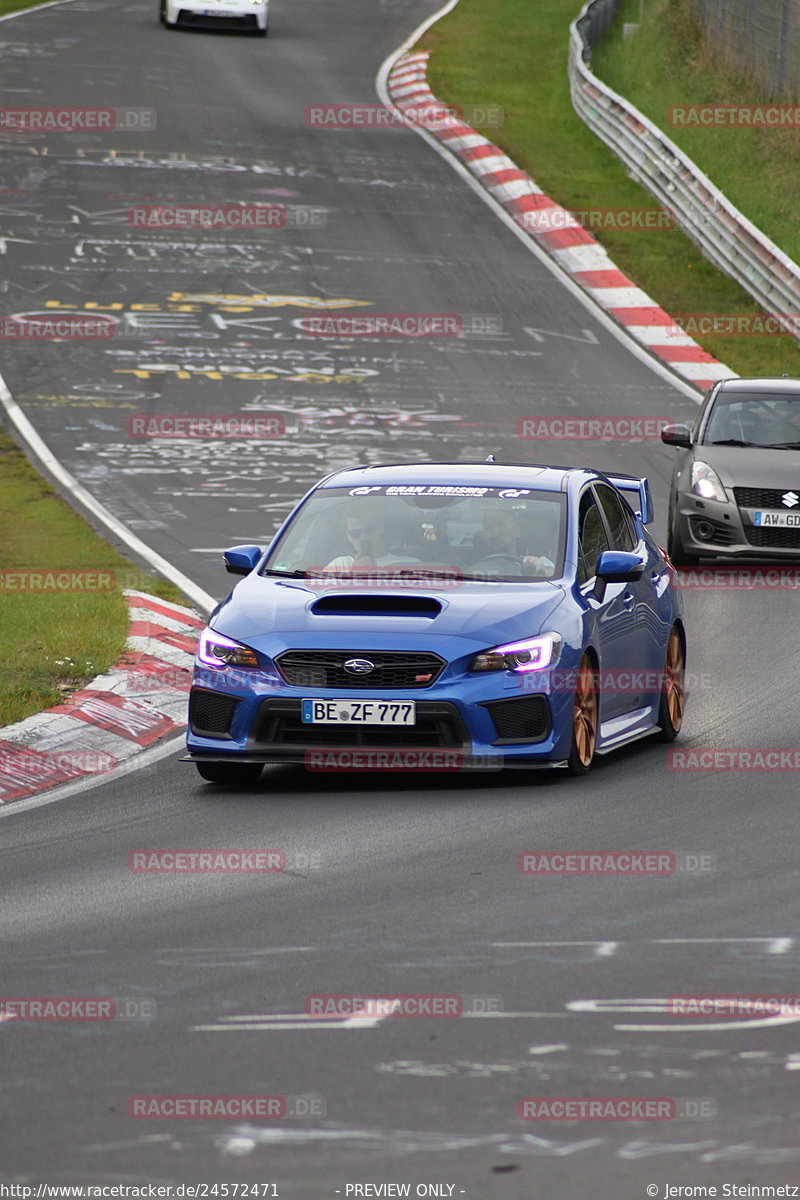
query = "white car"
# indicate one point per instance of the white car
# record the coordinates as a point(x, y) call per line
point(248, 15)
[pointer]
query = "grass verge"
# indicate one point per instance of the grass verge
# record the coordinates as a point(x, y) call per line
point(11, 6)
point(514, 54)
point(666, 63)
point(56, 632)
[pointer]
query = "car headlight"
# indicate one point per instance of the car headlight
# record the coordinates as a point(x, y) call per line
point(706, 482)
point(215, 650)
point(531, 654)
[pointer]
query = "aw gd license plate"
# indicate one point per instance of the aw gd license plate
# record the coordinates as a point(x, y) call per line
point(778, 518)
point(358, 712)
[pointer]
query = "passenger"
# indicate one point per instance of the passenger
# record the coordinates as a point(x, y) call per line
point(501, 536)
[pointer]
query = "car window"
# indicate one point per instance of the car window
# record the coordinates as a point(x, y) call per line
point(620, 524)
point(592, 540)
point(481, 532)
point(759, 418)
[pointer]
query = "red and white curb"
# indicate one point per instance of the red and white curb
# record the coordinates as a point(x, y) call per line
point(554, 228)
point(142, 700)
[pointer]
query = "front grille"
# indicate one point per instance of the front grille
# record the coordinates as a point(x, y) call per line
point(773, 535)
point(526, 720)
point(752, 497)
point(211, 713)
point(325, 669)
point(723, 533)
point(278, 726)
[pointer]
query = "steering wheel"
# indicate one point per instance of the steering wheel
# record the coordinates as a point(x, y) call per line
point(515, 558)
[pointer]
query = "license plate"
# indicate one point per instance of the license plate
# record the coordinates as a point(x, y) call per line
point(358, 712)
point(777, 518)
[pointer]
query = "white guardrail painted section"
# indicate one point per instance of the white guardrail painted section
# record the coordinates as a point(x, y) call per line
point(724, 235)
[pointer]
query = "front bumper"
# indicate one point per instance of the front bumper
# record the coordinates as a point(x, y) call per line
point(490, 720)
point(731, 531)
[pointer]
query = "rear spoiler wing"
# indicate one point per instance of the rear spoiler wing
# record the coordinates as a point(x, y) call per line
point(637, 493)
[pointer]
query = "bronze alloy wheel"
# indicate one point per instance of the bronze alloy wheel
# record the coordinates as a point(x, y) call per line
point(584, 718)
point(673, 689)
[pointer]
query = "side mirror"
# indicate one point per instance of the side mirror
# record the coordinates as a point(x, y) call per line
point(241, 560)
point(616, 566)
point(677, 435)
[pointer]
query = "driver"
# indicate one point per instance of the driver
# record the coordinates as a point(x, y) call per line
point(501, 536)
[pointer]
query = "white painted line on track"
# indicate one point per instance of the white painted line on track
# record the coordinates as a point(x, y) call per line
point(774, 945)
point(602, 949)
point(282, 1021)
point(656, 1005)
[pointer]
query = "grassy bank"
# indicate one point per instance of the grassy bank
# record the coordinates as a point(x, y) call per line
point(55, 630)
point(666, 63)
point(10, 6)
point(514, 54)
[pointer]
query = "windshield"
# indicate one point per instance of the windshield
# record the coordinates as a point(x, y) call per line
point(754, 419)
point(481, 533)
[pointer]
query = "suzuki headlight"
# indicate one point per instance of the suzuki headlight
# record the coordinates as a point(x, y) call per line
point(215, 650)
point(706, 482)
point(531, 654)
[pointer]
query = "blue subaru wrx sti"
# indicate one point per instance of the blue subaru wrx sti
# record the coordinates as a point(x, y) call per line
point(443, 615)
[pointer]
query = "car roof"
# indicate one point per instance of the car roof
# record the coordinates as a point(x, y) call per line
point(775, 385)
point(477, 474)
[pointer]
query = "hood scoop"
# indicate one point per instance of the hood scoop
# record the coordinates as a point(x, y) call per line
point(358, 604)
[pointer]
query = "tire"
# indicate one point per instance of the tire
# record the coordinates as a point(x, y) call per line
point(676, 552)
point(228, 772)
point(585, 719)
point(673, 690)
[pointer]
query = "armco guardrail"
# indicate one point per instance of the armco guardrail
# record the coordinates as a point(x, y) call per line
point(724, 235)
